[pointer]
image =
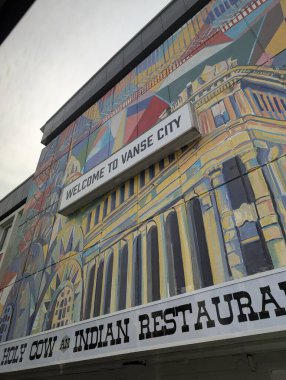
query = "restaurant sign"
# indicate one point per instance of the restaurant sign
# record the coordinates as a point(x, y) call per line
point(244, 307)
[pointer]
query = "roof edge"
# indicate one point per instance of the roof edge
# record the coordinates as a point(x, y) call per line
point(158, 29)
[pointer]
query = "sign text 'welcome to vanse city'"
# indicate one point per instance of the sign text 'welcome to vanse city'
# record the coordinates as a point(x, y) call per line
point(176, 130)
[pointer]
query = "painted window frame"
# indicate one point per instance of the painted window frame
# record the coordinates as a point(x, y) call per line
point(10, 223)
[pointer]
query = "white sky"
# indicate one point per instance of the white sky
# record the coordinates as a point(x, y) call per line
point(52, 52)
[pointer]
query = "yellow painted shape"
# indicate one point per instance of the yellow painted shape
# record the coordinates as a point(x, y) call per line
point(233, 259)
point(278, 42)
point(283, 6)
point(129, 272)
point(229, 235)
point(214, 247)
point(186, 248)
point(259, 185)
point(278, 252)
point(272, 232)
point(144, 264)
point(113, 298)
point(266, 210)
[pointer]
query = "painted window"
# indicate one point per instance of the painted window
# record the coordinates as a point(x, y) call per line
point(201, 253)
point(8, 231)
point(152, 172)
point(142, 178)
point(5, 323)
point(96, 215)
point(98, 289)
point(220, 114)
point(88, 220)
point(131, 187)
point(258, 101)
point(122, 277)
point(63, 309)
point(105, 207)
point(113, 201)
point(176, 278)
point(256, 257)
point(5, 236)
point(122, 193)
point(137, 272)
point(89, 292)
point(153, 264)
point(108, 284)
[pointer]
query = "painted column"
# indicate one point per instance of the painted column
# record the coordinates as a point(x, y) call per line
point(185, 247)
point(227, 220)
point(267, 216)
point(214, 247)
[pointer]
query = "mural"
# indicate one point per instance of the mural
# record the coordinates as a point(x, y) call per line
point(211, 212)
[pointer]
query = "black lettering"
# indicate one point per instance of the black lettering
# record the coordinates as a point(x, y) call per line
point(109, 333)
point(136, 148)
point(120, 329)
point(252, 316)
point(160, 133)
point(93, 344)
point(224, 320)
point(83, 338)
point(182, 309)
point(49, 347)
point(171, 330)
point(144, 325)
point(130, 155)
point(96, 176)
point(22, 351)
point(157, 332)
point(5, 356)
point(84, 183)
point(40, 346)
point(33, 346)
point(124, 157)
point(282, 286)
point(14, 358)
point(279, 311)
point(100, 328)
point(76, 347)
point(11, 354)
point(69, 194)
point(203, 313)
point(143, 145)
point(150, 140)
point(89, 180)
point(177, 122)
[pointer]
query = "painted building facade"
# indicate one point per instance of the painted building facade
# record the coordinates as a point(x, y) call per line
point(211, 212)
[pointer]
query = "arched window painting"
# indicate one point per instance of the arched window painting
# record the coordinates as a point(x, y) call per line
point(62, 315)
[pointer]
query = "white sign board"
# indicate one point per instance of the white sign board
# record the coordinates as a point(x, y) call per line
point(239, 308)
point(173, 132)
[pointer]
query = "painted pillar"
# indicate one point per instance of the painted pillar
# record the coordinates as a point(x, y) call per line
point(227, 220)
point(267, 216)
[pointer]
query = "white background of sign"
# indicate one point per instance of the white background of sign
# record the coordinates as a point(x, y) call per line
point(235, 328)
point(186, 124)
